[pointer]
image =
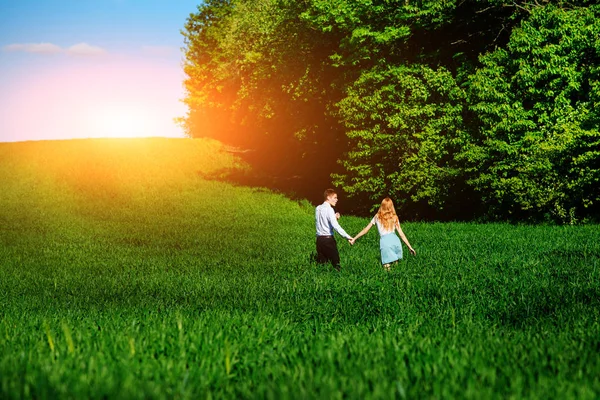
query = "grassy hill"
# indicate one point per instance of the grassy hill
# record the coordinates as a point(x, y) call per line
point(126, 272)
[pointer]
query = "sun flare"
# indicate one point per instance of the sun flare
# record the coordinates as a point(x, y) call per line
point(121, 122)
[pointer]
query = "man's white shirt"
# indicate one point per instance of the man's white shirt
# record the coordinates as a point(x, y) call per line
point(326, 221)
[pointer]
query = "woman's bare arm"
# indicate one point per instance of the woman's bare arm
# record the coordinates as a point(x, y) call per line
point(404, 239)
point(361, 233)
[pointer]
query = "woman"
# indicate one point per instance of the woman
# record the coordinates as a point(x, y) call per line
point(389, 244)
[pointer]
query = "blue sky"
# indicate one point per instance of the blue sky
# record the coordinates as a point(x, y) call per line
point(70, 69)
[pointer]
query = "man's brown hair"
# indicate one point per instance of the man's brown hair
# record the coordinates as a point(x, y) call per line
point(329, 192)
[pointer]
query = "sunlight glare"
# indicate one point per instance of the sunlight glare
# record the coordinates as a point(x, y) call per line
point(122, 122)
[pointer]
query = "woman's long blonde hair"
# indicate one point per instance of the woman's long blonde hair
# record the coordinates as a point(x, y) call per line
point(387, 214)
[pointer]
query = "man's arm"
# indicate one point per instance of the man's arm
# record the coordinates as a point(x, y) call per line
point(336, 225)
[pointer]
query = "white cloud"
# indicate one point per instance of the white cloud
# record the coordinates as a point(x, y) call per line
point(79, 49)
point(84, 49)
point(43, 48)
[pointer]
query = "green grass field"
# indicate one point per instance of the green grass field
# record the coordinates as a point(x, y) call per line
point(126, 273)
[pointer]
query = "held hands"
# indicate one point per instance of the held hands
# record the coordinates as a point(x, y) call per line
point(351, 241)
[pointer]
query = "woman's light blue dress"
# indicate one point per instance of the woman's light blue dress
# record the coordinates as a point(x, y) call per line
point(391, 248)
point(389, 244)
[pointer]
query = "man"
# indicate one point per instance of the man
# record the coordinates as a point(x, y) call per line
point(326, 222)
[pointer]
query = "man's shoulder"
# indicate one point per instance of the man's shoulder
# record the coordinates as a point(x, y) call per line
point(323, 206)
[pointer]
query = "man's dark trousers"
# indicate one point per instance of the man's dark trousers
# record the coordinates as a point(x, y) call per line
point(327, 251)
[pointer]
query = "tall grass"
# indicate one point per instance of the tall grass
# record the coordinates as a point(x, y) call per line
point(125, 273)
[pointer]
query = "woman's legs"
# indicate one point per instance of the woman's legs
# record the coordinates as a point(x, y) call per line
point(388, 266)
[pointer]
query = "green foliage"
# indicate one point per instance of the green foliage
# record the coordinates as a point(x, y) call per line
point(404, 126)
point(535, 150)
point(126, 274)
point(257, 79)
point(457, 109)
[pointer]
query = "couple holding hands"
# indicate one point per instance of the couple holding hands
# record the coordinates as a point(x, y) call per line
point(385, 219)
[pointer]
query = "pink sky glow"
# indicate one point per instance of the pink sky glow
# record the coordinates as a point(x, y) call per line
point(111, 96)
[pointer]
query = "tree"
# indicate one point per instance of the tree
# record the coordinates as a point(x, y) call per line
point(403, 112)
point(455, 108)
point(535, 152)
point(259, 78)
point(404, 126)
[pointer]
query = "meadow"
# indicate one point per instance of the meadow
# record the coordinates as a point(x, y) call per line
point(127, 270)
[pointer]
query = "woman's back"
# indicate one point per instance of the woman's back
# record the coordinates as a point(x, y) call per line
point(381, 226)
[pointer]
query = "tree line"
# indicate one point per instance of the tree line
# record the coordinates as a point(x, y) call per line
point(457, 109)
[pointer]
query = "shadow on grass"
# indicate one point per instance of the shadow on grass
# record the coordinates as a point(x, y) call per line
point(570, 255)
point(294, 187)
point(544, 306)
